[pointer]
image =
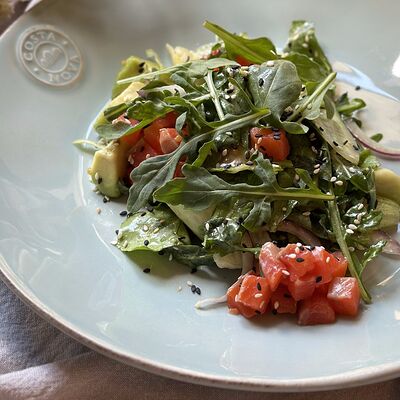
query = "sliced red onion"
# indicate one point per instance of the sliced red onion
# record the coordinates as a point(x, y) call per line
point(210, 302)
point(303, 234)
point(392, 245)
point(388, 152)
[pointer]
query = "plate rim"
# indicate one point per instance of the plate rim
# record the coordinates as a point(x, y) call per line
point(358, 377)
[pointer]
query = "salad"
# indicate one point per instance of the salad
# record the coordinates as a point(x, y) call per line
point(241, 156)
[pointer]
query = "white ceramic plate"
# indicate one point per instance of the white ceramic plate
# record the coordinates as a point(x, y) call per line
point(55, 250)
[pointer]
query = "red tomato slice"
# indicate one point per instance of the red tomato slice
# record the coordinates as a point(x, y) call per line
point(298, 260)
point(315, 310)
point(270, 264)
point(152, 132)
point(243, 61)
point(233, 304)
point(273, 144)
point(169, 140)
point(141, 152)
point(344, 296)
point(282, 301)
point(254, 293)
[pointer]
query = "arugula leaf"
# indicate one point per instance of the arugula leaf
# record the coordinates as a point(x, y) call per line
point(275, 87)
point(223, 235)
point(307, 69)
point(191, 255)
point(335, 132)
point(373, 251)
point(346, 106)
point(205, 150)
point(252, 50)
point(200, 189)
point(116, 131)
point(302, 40)
point(347, 171)
point(155, 231)
point(156, 171)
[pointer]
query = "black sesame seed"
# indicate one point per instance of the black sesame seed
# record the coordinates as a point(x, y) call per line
point(287, 295)
point(142, 64)
point(198, 291)
point(318, 279)
point(193, 270)
point(345, 142)
point(289, 44)
point(227, 166)
point(273, 129)
point(355, 147)
point(146, 270)
point(357, 88)
point(181, 238)
point(99, 180)
point(161, 252)
point(105, 200)
point(299, 259)
point(142, 149)
point(258, 312)
point(193, 288)
point(335, 143)
point(260, 82)
point(146, 242)
point(274, 312)
point(258, 286)
point(240, 220)
point(143, 214)
point(123, 213)
point(229, 91)
point(116, 231)
point(321, 128)
point(129, 214)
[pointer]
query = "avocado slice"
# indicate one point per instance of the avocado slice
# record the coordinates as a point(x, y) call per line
point(108, 167)
point(387, 184)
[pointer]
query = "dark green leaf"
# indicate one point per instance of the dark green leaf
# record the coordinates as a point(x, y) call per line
point(308, 70)
point(191, 255)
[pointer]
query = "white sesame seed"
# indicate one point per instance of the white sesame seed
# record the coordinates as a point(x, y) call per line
point(317, 165)
point(262, 304)
point(352, 226)
point(312, 135)
point(119, 236)
point(333, 179)
point(170, 258)
point(148, 156)
point(297, 106)
point(309, 106)
point(131, 160)
point(314, 149)
point(96, 190)
point(285, 272)
point(298, 244)
point(236, 298)
point(351, 249)
point(339, 183)
point(98, 210)
point(307, 38)
point(179, 288)
point(227, 97)
point(292, 255)
point(207, 226)
point(360, 206)
point(270, 63)
point(114, 242)
point(125, 243)
point(156, 230)
point(296, 177)
point(276, 305)
point(297, 250)
point(224, 152)
point(349, 231)
point(189, 283)
point(258, 295)
point(357, 221)
point(327, 259)
point(284, 209)
point(259, 140)
point(305, 45)
point(352, 169)
point(306, 213)
point(316, 171)
point(96, 176)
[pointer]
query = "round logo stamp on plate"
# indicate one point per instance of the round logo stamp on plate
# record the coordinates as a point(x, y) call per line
point(49, 55)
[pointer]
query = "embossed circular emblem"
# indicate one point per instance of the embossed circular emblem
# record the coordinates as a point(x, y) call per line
point(49, 55)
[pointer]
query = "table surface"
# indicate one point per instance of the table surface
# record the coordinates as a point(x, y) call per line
point(38, 361)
